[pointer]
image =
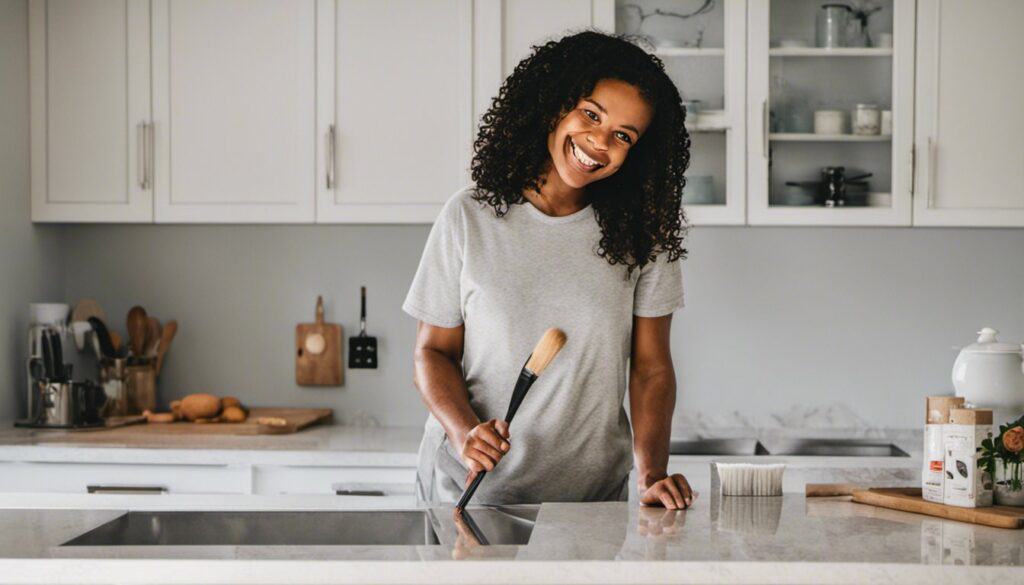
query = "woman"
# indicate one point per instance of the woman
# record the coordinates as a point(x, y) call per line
point(574, 221)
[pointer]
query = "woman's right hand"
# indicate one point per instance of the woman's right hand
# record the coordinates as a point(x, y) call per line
point(484, 446)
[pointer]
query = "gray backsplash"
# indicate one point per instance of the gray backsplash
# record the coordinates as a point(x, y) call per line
point(783, 326)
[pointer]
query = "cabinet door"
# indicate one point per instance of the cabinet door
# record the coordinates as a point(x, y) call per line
point(400, 79)
point(703, 47)
point(794, 76)
point(89, 71)
point(234, 102)
point(970, 123)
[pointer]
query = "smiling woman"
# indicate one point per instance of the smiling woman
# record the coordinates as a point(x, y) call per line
point(574, 222)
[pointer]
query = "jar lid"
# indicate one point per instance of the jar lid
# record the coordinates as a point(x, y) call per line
point(987, 343)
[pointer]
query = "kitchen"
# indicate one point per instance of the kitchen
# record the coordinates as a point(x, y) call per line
point(804, 319)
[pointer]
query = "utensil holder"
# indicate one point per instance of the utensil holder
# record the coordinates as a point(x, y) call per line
point(112, 379)
point(140, 387)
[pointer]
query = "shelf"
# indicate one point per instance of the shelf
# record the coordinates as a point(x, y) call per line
point(810, 137)
point(822, 52)
point(689, 52)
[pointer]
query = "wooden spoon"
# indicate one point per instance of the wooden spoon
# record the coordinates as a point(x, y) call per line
point(154, 332)
point(138, 325)
point(166, 337)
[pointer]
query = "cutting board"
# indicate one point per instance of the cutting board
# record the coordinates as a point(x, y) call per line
point(318, 351)
point(295, 420)
point(910, 500)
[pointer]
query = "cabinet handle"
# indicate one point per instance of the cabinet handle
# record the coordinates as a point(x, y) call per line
point(151, 148)
point(931, 173)
point(331, 156)
point(764, 126)
point(358, 492)
point(141, 138)
point(126, 489)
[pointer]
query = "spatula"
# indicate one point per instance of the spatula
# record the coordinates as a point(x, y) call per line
point(362, 349)
point(545, 351)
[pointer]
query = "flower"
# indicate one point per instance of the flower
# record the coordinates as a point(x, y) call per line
point(1013, 439)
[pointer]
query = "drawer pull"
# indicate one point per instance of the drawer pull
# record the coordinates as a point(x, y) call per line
point(358, 493)
point(126, 489)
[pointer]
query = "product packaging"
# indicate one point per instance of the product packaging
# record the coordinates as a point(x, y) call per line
point(965, 484)
point(936, 415)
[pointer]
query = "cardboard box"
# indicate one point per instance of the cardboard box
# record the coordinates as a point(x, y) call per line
point(936, 415)
point(965, 484)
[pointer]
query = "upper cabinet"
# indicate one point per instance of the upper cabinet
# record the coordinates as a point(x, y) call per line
point(234, 110)
point(396, 105)
point(970, 123)
point(90, 136)
point(703, 46)
point(830, 113)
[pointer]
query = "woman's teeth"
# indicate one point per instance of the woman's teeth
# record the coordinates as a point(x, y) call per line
point(582, 157)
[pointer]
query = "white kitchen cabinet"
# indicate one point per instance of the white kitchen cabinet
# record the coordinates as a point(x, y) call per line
point(397, 104)
point(101, 477)
point(89, 85)
point(970, 123)
point(787, 84)
point(234, 108)
point(393, 485)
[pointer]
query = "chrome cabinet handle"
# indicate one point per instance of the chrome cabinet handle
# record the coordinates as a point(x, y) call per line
point(931, 173)
point(339, 492)
point(126, 489)
point(141, 137)
point(331, 156)
point(151, 145)
point(764, 126)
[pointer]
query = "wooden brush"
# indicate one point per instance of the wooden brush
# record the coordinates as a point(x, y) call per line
point(546, 349)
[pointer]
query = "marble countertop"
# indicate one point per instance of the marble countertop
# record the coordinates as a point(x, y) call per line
point(779, 540)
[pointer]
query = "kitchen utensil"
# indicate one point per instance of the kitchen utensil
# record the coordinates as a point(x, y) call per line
point(112, 378)
point(546, 349)
point(153, 333)
point(79, 319)
point(990, 373)
point(831, 25)
point(53, 314)
point(910, 500)
point(169, 330)
point(47, 347)
point(140, 388)
point(103, 337)
point(115, 341)
point(318, 351)
point(138, 325)
point(57, 355)
point(866, 120)
point(829, 122)
point(362, 349)
point(66, 405)
point(832, 188)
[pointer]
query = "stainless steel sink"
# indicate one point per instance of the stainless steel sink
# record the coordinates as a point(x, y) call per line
point(836, 448)
point(412, 527)
point(717, 447)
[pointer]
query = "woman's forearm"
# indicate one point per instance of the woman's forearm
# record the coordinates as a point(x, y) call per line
point(439, 380)
point(652, 399)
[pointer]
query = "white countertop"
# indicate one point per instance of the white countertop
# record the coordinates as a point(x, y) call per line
point(778, 540)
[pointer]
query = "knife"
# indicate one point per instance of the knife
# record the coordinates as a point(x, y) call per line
point(106, 344)
point(57, 355)
point(47, 357)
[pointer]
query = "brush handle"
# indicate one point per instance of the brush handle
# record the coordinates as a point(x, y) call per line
point(526, 379)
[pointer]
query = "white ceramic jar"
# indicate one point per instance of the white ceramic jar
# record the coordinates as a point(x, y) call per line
point(828, 121)
point(867, 120)
point(990, 374)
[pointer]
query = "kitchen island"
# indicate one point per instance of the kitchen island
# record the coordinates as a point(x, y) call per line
point(788, 539)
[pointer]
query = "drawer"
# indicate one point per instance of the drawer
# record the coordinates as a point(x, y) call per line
point(132, 478)
point(272, 480)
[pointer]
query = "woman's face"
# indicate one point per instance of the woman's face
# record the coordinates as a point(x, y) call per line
point(592, 141)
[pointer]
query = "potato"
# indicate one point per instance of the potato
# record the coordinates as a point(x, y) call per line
point(230, 401)
point(159, 417)
point(233, 414)
point(196, 406)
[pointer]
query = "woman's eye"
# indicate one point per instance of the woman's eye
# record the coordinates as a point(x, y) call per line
point(592, 115)
point(624, 137)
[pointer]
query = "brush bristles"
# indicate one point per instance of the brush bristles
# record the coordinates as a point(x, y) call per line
point(750, 479)
point(546, 350)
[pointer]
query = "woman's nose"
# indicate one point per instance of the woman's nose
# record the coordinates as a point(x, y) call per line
point(597, 140)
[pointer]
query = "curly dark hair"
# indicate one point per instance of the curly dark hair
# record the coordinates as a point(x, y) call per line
point(639, 208)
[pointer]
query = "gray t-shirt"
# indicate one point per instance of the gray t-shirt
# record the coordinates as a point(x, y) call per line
point(509, 279)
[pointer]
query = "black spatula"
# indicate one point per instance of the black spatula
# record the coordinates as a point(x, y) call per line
point(362, 349)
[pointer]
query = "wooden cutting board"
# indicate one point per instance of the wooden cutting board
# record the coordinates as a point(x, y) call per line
point(318, 351)
point(910, 500)
point(295, 419)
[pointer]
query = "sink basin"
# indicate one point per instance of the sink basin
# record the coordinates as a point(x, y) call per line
point(406, 527)
point(836, 448)
point(717, 447)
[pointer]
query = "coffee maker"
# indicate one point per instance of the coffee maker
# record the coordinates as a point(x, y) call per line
point(54, 399)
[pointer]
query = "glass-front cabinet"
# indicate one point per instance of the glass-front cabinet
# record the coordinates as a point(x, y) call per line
point(830, 112)
point(703, 46)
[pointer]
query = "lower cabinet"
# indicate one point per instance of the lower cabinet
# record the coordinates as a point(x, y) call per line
point(107, 478)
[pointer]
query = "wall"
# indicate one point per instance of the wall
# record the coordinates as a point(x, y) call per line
point(780, 322)
point(29, 256)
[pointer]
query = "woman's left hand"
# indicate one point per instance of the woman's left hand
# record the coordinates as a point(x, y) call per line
point(672, 492)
